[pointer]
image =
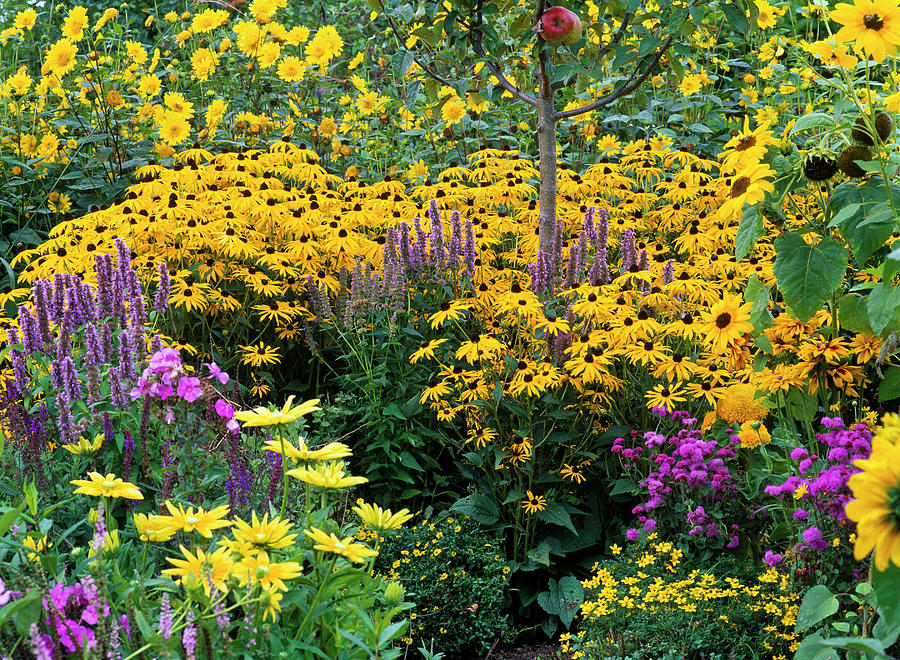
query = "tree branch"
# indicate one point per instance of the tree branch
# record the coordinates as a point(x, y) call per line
point(478, 47)
point(631, 85)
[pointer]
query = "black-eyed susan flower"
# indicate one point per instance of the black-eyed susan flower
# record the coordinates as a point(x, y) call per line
point(664, 396)
point(534, 503)
point(726, 320)
point(873, 25)
point(426, 350)
point(106, 486)
point(257, 355)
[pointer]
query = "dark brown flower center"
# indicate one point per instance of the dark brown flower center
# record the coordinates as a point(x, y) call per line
point(745, 143)
point(740, 186)
point(873, 22)
point(723, 320)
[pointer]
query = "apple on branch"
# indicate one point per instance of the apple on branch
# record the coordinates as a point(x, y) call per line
point(560, 26)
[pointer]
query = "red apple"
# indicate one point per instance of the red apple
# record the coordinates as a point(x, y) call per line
point(560, 26)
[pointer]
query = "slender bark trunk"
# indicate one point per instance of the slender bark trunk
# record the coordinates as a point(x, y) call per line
point(546, 128)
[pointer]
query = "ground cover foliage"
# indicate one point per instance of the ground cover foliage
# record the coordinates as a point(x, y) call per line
point(289, 368)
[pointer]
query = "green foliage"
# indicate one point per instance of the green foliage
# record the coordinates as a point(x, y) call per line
point(808, 274)
point(458, 578)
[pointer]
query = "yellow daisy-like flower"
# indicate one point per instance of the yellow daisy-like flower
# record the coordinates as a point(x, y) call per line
point(355, 552)
point(873, 25)
point(265, 417)
point(195, 567)
point(302, 453)
point(270, 576)
point(38, 546)
point(876, 509)
point(174, 129)
point(330, 475)
point(60, 58)
point(108, 486)
point(202, 522)
point(291, 69)
point(264, 533)
point(259, 354)
point(74, 24)
point(727, 320)
point(325, 46)
point(749, 186)
point(534, 503)
point(85, 446)
point(753, 434)
point(453, 111)
point(381, 519)
point(150, 528)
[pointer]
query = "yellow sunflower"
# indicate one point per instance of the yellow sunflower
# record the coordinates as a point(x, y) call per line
point(873, 25)
point(876, 509)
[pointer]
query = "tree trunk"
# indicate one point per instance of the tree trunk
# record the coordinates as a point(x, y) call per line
point(546, 128)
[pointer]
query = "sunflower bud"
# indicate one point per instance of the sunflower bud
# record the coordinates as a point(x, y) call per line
point(394, 593)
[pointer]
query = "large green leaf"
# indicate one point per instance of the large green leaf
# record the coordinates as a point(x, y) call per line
point(884, 301)
point(808, 274)
point(479, 507)
point(862, 214)
point(749, 231)
point(818, 603)
point(562, 599)
point(887, 585)
point(555, 514)
point(853, 315)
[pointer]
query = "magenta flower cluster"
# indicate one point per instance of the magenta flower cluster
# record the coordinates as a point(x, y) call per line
point(165, 377)
point(681, 466)
point(73, 610)
point(820, 481)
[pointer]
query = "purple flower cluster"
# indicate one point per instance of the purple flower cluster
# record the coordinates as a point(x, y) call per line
point(73, 611)
point(91, 335)
point(819, 484)
point(682, 466)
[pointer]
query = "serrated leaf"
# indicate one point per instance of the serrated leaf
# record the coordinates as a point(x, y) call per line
point(808, 274)
point(479, 507)
point(555, 514)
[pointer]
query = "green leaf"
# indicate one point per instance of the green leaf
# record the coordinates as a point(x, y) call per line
point(479, 507)
point(815, 647)
point(555, 514)
point(758, 294)
point(9, 518)
point(749, 231)
point(884, 300)
point(852, 314)
point(812, 120)
point(887, 585)
point(862, 214)
point(808, 274)
point(818, 604)
point(562, 599)
point(889, 388)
